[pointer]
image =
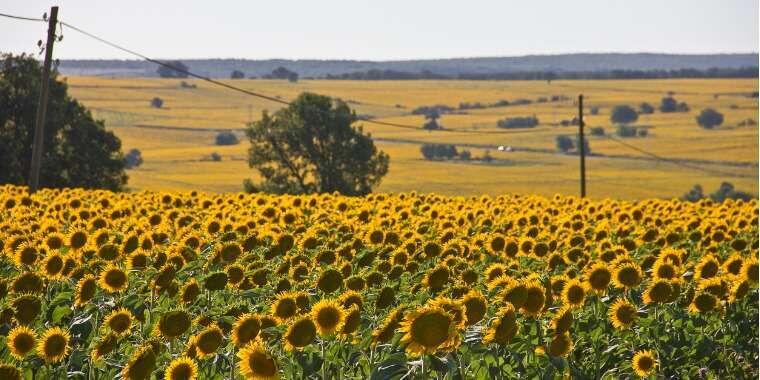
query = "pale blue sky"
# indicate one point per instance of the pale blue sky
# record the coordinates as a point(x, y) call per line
point(388, 29)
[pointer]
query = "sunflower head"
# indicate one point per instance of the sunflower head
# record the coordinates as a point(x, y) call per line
point(182, 368)
point(704, 302)
point(85, 290)
point(560, 345)
point(105, 345)
point(599, 277)
point(173, 324)
point(622, 314)
point(10, 372)
point(563, 320)
point(208, 340)
point(502, 328)
point(329, 280)
point(574, 293)
point(437, 278)
point(644, 363)
point(53, 346)
point(535, 297)
point(113, 279)
point(256, 363)
point(300, 333)
point(475, 307)
point(26, 308)
point(285, 306)
point(245, 329)
point(119, 321)
point(659, 291)
point(21, 340)
point(141, 364)
point(627, 276)
point(428, 330)
point(329, 316)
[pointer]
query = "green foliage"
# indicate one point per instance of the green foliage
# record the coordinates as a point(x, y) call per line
point(133, 159)
point(518, 122)
point(168, 72)
point(597, 131)
point(438, 151)
point(709, 118)
point(77, 150)
point(646, 108)
point(312, 146)
point(670, 104)
point(724, 192)
point(623, 114)
point(564, 143)
point(226, 138)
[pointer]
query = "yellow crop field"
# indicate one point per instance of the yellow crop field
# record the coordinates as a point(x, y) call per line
point(194, 285)
point(175, 139)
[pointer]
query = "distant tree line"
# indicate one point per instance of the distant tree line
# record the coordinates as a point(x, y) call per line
point(518, 122)
point(725, 191)
point(374, 74)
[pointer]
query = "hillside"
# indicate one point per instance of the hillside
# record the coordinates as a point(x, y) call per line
point(447, 67)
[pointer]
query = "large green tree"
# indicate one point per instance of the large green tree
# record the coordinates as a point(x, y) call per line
point(313, 146)
point(78, 151)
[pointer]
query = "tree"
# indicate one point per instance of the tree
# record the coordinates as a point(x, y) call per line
point(226, 138)
point(77, 150)
point(646, 108)
point(312, 146)
point(170, 72)
point(432, 121)
point(670, 104)
point(709, 118)
point(695, 194)
point(237, 74)
point(283, 73)
point(564, 143)
point(156, 102)
point(623, 115)
point(727, 191)
point(133, 159)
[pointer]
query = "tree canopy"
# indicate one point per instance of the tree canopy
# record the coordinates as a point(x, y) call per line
point(77, 150)
point(623, 114)
point(313, 146)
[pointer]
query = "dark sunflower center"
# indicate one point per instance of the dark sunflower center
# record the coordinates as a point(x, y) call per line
point(431, 330)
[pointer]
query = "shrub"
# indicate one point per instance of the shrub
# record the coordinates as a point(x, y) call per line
point(215, 156)
point(623, 115)
point(432, 125)
point(646, 108)
point(465, 155)
point(438, 151)
point(518, 122)
point(709, 118)
point(670, 104)
point(564, 143)
point(626, 131)
point(156, 102)
point(184, 84)
point(594, 110)
point(226, 138)
point(133, 159)
point(597, 131)
point(642, 132)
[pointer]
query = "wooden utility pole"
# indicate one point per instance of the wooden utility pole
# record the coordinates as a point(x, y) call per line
point(582, 146)
point(39, 126)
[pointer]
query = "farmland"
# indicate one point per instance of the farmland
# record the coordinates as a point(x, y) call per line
point(176, 139)
point(180, 285)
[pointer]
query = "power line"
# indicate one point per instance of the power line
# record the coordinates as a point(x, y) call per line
point(672, 161)
point(21, 17)
point(267, 97)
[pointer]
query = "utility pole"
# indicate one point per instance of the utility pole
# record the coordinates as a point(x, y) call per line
point(39, 126)
point(582, 147)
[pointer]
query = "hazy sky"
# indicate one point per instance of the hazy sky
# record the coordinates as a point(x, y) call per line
point(387, 29)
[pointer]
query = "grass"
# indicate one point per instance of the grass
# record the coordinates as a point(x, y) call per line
point(172, 155)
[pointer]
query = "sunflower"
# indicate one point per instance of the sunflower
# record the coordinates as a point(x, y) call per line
point(494, 271)
point(300, 333)
point(560, 345)
point(141, 364)
point(739, 289)
point(245, 329)
point(574, 293)
point(181, 368)
point(387, 329)
point(21, 340)
point(351, 297)
point(54, 240)
point(475, 307)
point(26, 308)
point(77, 239)
point(428, 330)
point(53, 266)
point(9, 372)
point(85, 290)
point(664, 269)
point(113, 279)
point(385, 298)
point(704, 302)
point(173, 324)
point(749, 271)
point(285, 306)
point(502, 328)
point(53, 346)
point(627, 276)
point(104, 346)
point(28, 282)
point(622, 314)
point(599, 277)
point(535, 297)
point(514, 292)
point(658, 292)
point(119, 321)
point(329, 316)
point(644, 363)
point(256, 363)
point(329, 280)
point(436, 278)
point(26, 254)
point(563, 320)
point(190, 291)
point(208, 340)
point(352, 321)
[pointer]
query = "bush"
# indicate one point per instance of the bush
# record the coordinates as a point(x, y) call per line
point(646, 108)
point(518, 122)
point(642, 132)
point(226, 138)
point(670, 104)
point(487, 157)
point(465, 155)
point(133, 159)
point(597, 131)
point(623, 115)
point(237, 74)
point(564, 143)
point(184, 84)
point(432, 125)
point(594, 110)
point(432, 111)
point(724, 192)
point(438, 151)
point(709, 118)
point(626, 131)
point(215, 156)
point(156, 102)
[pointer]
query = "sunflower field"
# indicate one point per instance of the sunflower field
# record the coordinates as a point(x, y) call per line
point(150, 285)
